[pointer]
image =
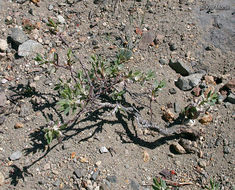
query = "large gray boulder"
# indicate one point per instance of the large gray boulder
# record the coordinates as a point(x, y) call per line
point(30, 47)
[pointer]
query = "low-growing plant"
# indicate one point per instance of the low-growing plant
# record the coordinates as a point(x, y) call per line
point(213, 185)
point(53, 26)
point(104, 85)
point(160, 185)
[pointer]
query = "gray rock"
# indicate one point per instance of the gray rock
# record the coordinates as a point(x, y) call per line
point(226, 150)
point(2, 179)
point(3, 45)
point(134, 185)
point(176, 107)
point(18, 36)
point(79, 173)
point(95, 175)
point(50, 7)
point(187, 83)
point(104, 187)
point(30, 47)
point(172, 91)
point(61, 19)
point(202, 163)
point(112, 179)
point(163, 61)
point(231, 98)
point(3, 99)
point(103, 149)
point(178, 148)
point(180, 67)
point(2, 119)
point(16, 155)
point(173, 46)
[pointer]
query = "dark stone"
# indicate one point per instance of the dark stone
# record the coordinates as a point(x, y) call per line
point(180, 67)
point(172, 91)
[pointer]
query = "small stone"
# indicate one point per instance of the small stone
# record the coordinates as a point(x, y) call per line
point(177, 107)
point(16, 155)
point(3, 99)
point(112, 179)
point(172, 91)
point(146, 40)
point(2, 119)
point(163, 61)
point(3, 45)
point(202, 163)
point(97, 164)
point(178, 148)
point(61, 19)
point(95, 175)
point(4, 81)
point(18, 36)
point(30, 47)
point(37, 78)
point(103, 149)
point(225, 142)
point(50, 7)
point(94, 42)
point(172, 46)
point(226, 150)
point(230, 85)
point(82, 38)
point(146, 156)
point(231, 98)
point(47, 166)
point(19, 125)
point(21, 1)
point(180, 67)
point(70, 2)
point(168, 115)
point(209, 80)
point(206, 119)
point(79, 173)
point(2, 179)
point(187, 83)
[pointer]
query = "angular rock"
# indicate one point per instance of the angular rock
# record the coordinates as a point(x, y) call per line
point(79, 173)
point(3, 99)
point(16, 155)
point(61, 19)
point(146, 40)
point(178, 148)
point(30, 47)
point(95, 175)
point(187, 83)
point(231, 98)
point(103, 149)
point(18, 36)
point(134, 185)
point(3, 45)
point(180, 67)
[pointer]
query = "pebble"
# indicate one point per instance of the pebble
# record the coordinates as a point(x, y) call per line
point(112, 179)
point(231, 98)
point(95, 175)
point(163, 61)
point(202, 163)
point(2, 179)
point(18, 36)
point(178, 148)
point(3, 45)
point(37, 78)
point(172, 91)
point(172, 46)
point(61, 19)
point(103, 149)
point(187, 83)
point(180, 67)
point(30, 47)
point(79, 173)
point(50, 7)
point(19, 125)
point(16, 155)
point(47, 166)
point(4, 81)
point(2, 119)
point(177, 107)
point(98, 163)
point(226, 150)
point(3, 99)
